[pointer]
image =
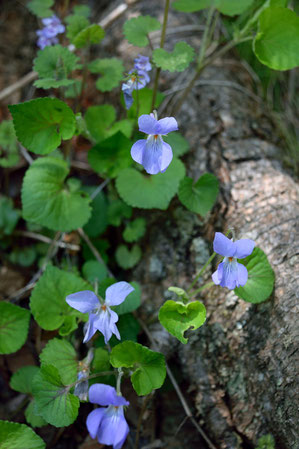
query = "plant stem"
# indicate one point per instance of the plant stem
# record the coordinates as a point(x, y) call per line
point(209, 284)
point(206, 36)
point(143, 408)
point(201, 271)
point(161, 46)
point(92, 376)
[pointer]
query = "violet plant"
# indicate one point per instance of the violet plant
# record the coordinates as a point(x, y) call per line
point(59, 205)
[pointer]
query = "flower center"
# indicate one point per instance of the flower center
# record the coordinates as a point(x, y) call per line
point(230, 259)
point(156, 136)
point(104, 307)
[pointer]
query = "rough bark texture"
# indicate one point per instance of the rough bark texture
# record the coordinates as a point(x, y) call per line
point(242, 363)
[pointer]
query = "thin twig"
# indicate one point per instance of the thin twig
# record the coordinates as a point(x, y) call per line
point(43, 238)
point(25, 154)
point(93, 249)
point(178, 390)
point(99, 188)
point(143, 408)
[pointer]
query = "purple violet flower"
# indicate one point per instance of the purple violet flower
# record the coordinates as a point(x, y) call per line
point(142, 63)
point(47, 36)
point(101, 317)
point(108, 424)
point(153, 153)
point(230, 273)
point(138, 80)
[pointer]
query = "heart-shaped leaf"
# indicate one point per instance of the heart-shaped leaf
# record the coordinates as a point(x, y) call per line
point(92, 34)
point(261, 278)
point(48, 202)
point(16, 436)
point(14, 324)
point(175, 61)
point(150, 192)
point(199, 197)
point(137, 29)
point(148, 367)
point(41, 124)
point(128, 258)
point(177, 317)
point(111, 70)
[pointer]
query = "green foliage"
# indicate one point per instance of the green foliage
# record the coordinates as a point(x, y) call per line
point(93, 34)
point(277, 42)
point(98, 221)
point(180, 292)
point(261, 278)
point(41, 124)
point(41, 8)
point(82, 10)
point(127, 258)
point(177, 317)
point(150, 192)
point(177, 60)
point(9, 155)
point(137, 29)
point(178, 143)
point(14, 324)
point(98, 119)
point(227, 7)
point(8, 216)
point(128, 328)
point(199, 197)
point(47, 300)
point(32, 418)
point(62, 355)
point(48, 201)
point(117, 211)
point(93, 270)
point(23, 256)
point(75, 24)
point(21, 380)
point(134, 230)
point(266, 442)
point(16, 436)
point(52, 399)
point(111, 156)
point(100, 361)
point(111, 70)
point(132, 301)
point(53, 65)
point(148, 367)
point(145, 96)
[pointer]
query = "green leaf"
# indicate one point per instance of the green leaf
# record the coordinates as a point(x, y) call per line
point(47, 300)
point(98, 119)
point(14, 324)
point(199, 197)
point(132, 301)
point(47, 200)
point(16, 436)
point(97, 223)
point(68, 326)
point(100, 360)
point(93, 270)
point(150, 192)
point(117, 211)
point(41, 8)
point(125, 126)
point(180, 292)
point(75, 24)
point(261, 278)
point(24, 256)
point(145, 102)
point(137, 29)
point(111, 70)
point(41, 124)
point(32, 418)
point(126, 258)
point(53, 402)
point(178, 143)
point(177, 60)
point(111, 156)
point(8, 216)
point(54, 64)
point(93, 34)
point(9, 155)
point(177, 317)
point(21, 380)
point(228, 7)
point(266, 442)
point(82, 10)
point(277, 42)
point(62, 355)
point(135, 230)
point(148, 367)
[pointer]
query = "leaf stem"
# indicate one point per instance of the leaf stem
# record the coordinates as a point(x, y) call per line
point(91, 376)
point(161, 46)
point(201, 272)
point(195, 292)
